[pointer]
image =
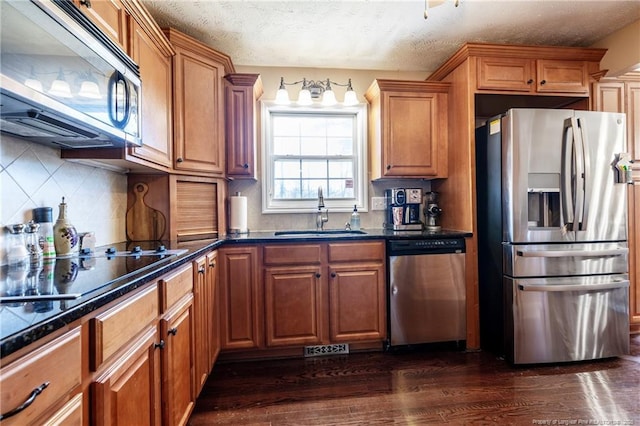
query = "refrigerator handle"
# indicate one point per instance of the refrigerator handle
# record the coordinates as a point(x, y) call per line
point(574, 287)
point(566, 190)
point(573, 253)
point(584, 187)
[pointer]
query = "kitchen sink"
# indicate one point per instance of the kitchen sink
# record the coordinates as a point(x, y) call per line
point(313, 232)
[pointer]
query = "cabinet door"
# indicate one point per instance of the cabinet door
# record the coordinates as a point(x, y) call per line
point(240, 298)
point(198, 113)
point(129, 390)
point(511, 74)
point(608, 96)
point(414, 134)
point(201, 322)
point(562, 76)
point(110, 16)
point(156, 103)
point(178, 378)
point(293, 305)
point(357, 302)
point(213, 309)
point(632, 108)
point(241, 94)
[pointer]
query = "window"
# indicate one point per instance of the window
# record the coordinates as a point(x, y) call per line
point(310, 148)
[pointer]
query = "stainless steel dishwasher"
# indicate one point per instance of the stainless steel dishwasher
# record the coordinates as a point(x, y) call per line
point(426, 291)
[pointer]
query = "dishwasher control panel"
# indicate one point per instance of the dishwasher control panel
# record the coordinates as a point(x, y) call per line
point(426, 246)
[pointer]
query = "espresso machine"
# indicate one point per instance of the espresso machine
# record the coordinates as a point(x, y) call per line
point(431, 212)
point(403, 209)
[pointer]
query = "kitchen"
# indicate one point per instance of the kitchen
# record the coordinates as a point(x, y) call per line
point(68, 176)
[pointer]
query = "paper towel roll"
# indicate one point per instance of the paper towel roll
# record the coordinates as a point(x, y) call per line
point(238, 215)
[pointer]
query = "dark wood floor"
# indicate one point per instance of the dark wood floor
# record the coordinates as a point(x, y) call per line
point(421, 388)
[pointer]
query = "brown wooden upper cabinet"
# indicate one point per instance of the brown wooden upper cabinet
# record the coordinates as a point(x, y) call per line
point(542, 76)
point(198, 102)
point(242, 92)
point(109, 15)
point(408, 129)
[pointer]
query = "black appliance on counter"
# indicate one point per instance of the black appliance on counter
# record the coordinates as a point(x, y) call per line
point(403, 209)
point(63, 82)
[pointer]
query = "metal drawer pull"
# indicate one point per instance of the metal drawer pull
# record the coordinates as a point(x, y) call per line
point(34, 394)
point(576, 287)
point(574, 253)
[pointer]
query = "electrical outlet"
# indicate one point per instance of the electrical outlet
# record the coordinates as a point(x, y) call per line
point(378, 203)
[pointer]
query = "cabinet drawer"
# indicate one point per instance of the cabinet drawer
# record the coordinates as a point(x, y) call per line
point(175, 285)
point(292, 254)
point(116, 327)
point(57, 363)
point(356, 252)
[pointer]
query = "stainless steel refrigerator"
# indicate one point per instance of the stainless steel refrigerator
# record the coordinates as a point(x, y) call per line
point(552, 235)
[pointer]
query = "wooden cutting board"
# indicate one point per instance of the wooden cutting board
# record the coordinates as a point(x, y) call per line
point(144, 223)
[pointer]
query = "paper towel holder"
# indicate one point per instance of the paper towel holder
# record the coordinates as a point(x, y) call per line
point(238, 214)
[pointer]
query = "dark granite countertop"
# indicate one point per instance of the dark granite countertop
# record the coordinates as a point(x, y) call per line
point(24, 323)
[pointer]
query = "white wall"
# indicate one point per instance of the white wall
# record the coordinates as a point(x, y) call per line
point(624, 50)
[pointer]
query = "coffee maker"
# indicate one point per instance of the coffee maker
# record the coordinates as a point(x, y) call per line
point(403, 209)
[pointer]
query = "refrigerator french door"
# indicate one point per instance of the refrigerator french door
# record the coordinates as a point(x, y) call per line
point(553, 257)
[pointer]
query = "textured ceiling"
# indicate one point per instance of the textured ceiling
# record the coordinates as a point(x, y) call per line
point(384, 35)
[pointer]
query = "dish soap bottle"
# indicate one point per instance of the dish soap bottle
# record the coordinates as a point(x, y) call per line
point(355, 219)
point(65, 235)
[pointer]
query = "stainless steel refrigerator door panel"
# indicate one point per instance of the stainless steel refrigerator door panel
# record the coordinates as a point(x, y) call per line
point(605, 209)
point(542, 260)
point(558, 177)
point(568, 319)
point(427, 298)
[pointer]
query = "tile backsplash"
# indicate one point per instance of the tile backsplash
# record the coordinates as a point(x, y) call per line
point(33, 175)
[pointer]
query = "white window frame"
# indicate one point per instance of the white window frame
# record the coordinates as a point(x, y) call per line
point(269, 205)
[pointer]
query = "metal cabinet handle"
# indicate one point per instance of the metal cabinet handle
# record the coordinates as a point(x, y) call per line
point(388, 166)
point(212, 265)
point(172, 331)
point(543, 82)
point(333, 275)
point(86, 3)
point(318, 275)
point(245, 165)
point(179, 160)
point(160, 344)
point(201, 270)
point(32, 397)
point(530, 81)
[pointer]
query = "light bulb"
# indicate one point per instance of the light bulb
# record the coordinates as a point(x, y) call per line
point(329, 98)
point(304, 97)
point(90, 90)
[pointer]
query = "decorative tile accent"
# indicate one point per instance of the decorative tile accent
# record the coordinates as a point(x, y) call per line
point(34, 175)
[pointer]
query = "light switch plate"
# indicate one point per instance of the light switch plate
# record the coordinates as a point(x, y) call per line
point(378, 203)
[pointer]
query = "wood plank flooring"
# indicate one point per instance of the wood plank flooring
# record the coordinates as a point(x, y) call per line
point(421, 388)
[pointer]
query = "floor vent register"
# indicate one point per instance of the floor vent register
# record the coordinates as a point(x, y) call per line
point(323, 350)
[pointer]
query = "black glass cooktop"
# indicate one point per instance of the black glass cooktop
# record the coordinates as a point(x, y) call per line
point(72, 277)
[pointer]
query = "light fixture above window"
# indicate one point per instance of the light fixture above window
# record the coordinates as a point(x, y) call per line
point(433, 3)
point(312, 90)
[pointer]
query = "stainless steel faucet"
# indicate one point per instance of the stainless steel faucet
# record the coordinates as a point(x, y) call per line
point(321, 217)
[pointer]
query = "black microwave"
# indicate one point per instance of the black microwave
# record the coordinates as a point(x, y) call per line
point(63, 82)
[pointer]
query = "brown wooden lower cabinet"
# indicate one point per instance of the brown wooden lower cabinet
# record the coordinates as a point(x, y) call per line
point(240, 300)
point(128, 392)
point(57, 363)
point(178, 359)
point(307, 294)
point(293, 305)
point(357, 302)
